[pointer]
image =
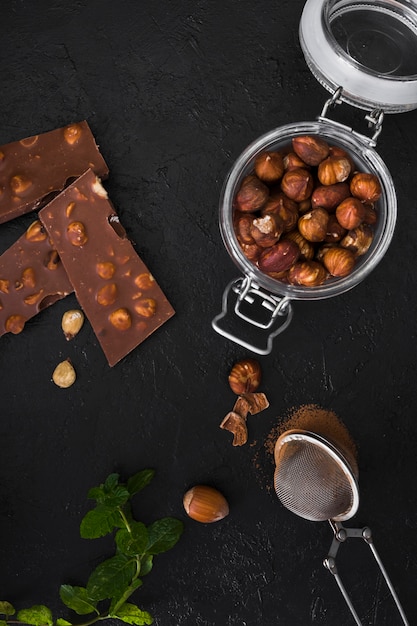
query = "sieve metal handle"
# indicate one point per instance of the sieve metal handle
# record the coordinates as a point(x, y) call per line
point(341, 534)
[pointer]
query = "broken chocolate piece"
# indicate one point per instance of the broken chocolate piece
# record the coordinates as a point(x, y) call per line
point(31, 278)
point(118, 294)
point(256, 402)
point(236, 424)
point(35, 169)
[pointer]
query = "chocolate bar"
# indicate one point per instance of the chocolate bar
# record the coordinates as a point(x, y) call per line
point(32, 277)
point(37, 168)
point(118, 294)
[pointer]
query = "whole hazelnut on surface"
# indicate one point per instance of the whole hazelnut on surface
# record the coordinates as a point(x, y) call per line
point(245, 376)
point(334, 170)
point(279, 257)
point(307, 274)
point(269, 166)
point(313, 225)
point(306, 247)
point(339, 261)
point(350, 213)
point(297, 184)
point(71, 323)
point(312, 149)
point(358, 240)
point(366, 187)
point(266, 230)
point(64, 374)
point(252, 194)
point(329, 196)
point(205, 504)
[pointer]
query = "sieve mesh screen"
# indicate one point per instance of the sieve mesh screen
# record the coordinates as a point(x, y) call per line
point(310, 482)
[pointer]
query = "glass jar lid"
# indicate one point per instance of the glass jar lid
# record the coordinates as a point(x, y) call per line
point(369, 49)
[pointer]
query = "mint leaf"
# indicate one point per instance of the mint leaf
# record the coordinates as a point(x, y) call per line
point(37, 615)
point(121, 599)
point(77, 599)
point(163, 535)
point(110, 493)
point(132, 614)
point(134, 542)
point(62, 622)
point(6, 608)
point(99, 522)
point(111, 577)
point(3, 622)
point(140, 480)
point(146, 563)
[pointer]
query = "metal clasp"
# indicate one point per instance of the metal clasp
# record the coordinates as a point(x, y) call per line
point(257, 308)
point(374, 118)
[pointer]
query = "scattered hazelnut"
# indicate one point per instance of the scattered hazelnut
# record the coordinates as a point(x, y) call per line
point(313, 225)
point(307, 274)
point(205, 504)
point(366, 187)
point(350, 213)
point(72, 322)
point(297, 184)
point(279, 257)
point(252, 194)
point(333, 170)
point(269, 166)
point(358, 240)
point(245, 376)
point(339, 261)
point(312, 149)
point(64, 374)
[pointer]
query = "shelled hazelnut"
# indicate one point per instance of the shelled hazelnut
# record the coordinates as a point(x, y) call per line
point(305, 214)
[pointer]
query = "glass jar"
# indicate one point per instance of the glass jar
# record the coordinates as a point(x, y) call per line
point(361, 53)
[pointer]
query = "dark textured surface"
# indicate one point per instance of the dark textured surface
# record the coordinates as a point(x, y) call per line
point(174, 91)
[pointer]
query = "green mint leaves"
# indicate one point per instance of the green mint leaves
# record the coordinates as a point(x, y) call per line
point(113, 581)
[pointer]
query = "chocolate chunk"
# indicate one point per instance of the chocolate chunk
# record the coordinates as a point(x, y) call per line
point(120, 297)
point(37, 168)
point(31, 278)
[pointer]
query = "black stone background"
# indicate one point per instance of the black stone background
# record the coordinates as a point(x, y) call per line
point(174, 91)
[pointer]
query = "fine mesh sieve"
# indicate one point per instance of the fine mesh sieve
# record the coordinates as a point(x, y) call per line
point(317, 481)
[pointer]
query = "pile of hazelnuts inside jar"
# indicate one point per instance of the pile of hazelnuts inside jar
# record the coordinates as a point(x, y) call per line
point(305, 214)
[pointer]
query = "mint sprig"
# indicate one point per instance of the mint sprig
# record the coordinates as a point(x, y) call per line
point(112, 583)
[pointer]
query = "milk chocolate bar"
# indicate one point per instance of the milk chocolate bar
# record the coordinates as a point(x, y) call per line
point(118, 294)
point(32, 277)
point(35, 169)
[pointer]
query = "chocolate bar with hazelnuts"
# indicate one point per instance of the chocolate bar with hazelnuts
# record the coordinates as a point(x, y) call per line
point(114, 287)
point(35, 169)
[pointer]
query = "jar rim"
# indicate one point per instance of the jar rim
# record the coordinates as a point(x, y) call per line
point(362, 152)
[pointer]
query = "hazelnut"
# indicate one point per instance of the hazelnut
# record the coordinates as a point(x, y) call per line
point(76, 234)
point(366, 187)
point(64, 374)
point(15, 324)
point(339, 261)
point(243, 226)
point(36, 232)
point(72, 322)
point(304, 206)
point(33, 298)
point(107, 294)
point(72, 133)
point(323, 249)
point(145, 307)
point(252, 195)
point(4, 285)
point(334, 170)
point(292, 161)
point(20, 184)
point(70, 208)
point(284, 209)
point(329, 196)
point(269, 166)
point(310, 148)
point(313, 225)
point(358, 240)
point(307, 274)
point(306, 247)
point(52, 260)
point(251, 251)
point(245, 376)
point(205, 504)
point(279, 257)
point(28, 277)
point(105, 269)
point(297, 184)
point(235, 423)
point(120, 319)
point(144, 281)
point(334, 231)
point(350, 213)
point(266, 230)
point(371, 216)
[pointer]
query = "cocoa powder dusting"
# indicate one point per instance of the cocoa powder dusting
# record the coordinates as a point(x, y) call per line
point(310, 417)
